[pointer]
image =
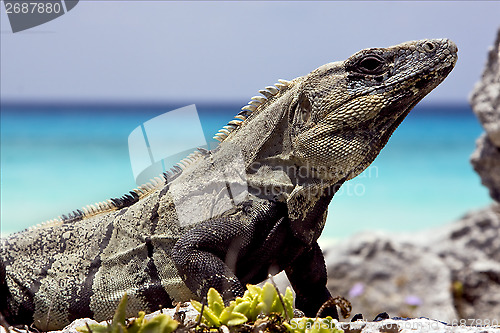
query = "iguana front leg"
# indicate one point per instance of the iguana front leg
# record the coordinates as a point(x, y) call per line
point(308, 277)
point(210, 254)
point(200, 256)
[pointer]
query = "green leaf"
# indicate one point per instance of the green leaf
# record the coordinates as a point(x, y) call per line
point(288, 299)
point(122, 328)
point(159, 324)
point(211, 317)
point(246, 296)
point(226, 313)
point(208, 314)
point(253, 311)
point(237, 319)
point(242, 307)
point(289, 294)
point(120, 315)
point(97, 328)
point(231, 318)
point(277, 306)
point(196, 305)
point(215, 302)
point(267, 297)
point(254, 291)
point(288, 327)
point(121, 311)
point(225, 316)
point(136, 324)
point(171, 325)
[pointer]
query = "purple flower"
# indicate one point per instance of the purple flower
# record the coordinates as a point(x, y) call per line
point(413, 300)
point(357, 290)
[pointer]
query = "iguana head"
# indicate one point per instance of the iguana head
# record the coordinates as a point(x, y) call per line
point(344, 112)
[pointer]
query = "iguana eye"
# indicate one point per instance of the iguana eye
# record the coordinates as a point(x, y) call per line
point(371, 65)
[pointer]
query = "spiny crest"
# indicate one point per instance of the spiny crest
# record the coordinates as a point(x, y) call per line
point(255, 102)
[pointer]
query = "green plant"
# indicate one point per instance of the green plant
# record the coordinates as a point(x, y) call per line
point(256, 301)
point(159, 324)
point(264, 308)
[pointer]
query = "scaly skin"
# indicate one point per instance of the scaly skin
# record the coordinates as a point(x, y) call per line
point(281, 166)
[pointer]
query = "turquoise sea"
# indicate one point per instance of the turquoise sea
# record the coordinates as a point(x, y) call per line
point(55, 159)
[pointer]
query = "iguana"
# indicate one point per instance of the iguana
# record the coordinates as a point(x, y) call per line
point(254, 205)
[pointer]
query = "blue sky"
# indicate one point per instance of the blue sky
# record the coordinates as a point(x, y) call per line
point(164, 51)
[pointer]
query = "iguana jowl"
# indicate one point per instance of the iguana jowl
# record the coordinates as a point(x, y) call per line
point(298, 143)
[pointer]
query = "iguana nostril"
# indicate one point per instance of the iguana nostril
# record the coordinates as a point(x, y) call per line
point(429, 47)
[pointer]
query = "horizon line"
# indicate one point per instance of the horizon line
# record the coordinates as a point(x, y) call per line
point(169, 103)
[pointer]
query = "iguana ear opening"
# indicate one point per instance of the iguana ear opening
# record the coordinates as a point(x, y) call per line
point(300, 114)
point(304, 109)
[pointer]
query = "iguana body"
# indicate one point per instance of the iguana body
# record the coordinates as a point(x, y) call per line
point(293, 148)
